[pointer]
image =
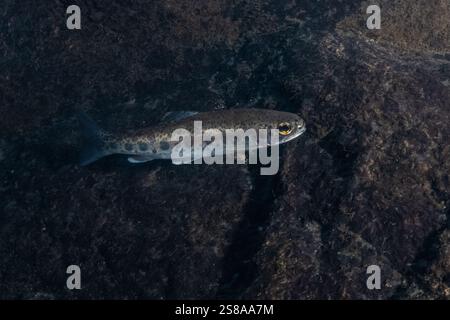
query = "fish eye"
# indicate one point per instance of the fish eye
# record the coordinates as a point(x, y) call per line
point(284, 128)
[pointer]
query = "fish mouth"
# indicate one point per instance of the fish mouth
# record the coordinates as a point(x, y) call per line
point(301, 129)
point(298, 133)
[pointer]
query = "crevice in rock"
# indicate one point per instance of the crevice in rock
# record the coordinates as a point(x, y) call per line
point(239, 267)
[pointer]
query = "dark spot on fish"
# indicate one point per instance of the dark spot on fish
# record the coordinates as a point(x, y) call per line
point(128, 146)
point(112, 145)
point(164, 145)
point(154, 150)
point(143, 146)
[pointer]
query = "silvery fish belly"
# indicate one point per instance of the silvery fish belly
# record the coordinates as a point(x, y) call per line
point(157, 142)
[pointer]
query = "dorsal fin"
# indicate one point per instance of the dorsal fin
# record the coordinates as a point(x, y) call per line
point(178, 115)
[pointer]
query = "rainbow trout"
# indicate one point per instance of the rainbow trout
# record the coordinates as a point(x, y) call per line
point(159, 142)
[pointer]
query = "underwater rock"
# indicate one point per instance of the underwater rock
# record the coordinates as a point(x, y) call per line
point(368, 183)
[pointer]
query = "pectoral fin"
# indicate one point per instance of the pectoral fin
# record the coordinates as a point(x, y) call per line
point(140, 159)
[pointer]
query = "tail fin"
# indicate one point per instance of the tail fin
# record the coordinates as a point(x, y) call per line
point(93, 141)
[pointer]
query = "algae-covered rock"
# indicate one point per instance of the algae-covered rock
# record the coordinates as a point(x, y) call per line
point(368, 184)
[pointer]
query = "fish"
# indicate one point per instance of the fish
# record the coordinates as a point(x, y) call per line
point(155, 142)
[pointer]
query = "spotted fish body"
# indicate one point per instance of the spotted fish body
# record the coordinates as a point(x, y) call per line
point(155, 142)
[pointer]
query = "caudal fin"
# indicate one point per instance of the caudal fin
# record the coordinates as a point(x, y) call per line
point(93, 140)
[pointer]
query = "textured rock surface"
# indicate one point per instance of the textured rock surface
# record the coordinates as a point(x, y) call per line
point(368, 183)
